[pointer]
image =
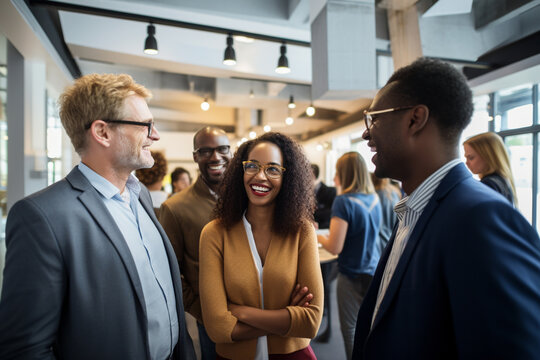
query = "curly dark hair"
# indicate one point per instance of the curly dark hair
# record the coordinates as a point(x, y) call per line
point(155, 173)
point(295, 202)
point(442, 88)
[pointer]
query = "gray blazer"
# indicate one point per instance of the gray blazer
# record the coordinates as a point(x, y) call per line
point(71, 289)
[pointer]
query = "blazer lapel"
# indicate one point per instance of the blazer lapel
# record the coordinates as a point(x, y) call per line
point(97, 209)
point(457, 174)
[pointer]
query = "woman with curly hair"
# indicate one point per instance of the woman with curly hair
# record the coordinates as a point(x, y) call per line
point(259, 257)
point(354, 230)
point(487, 157)
point(152, 178)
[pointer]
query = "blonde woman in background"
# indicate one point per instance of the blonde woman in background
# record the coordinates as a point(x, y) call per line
point(487, 157)
point(354, 231)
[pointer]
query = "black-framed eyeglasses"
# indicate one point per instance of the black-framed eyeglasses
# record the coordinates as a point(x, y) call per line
point(208, 151)
point(149, 125)
point(368, 115)
point(272, 171)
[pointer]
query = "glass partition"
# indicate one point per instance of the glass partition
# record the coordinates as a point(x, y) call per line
point(520, 150)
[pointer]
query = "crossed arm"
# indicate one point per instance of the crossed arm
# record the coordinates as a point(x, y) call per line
point(254, 322)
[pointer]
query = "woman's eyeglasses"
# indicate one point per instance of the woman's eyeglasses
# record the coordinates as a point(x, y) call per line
point(272, 171)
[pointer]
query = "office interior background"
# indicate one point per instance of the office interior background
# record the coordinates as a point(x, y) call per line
point(215, 63)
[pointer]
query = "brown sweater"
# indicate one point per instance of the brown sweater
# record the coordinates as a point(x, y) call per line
point(183, 216)
point(228, 275)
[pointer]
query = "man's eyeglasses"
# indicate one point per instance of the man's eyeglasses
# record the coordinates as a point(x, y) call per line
point(272, 171)
point(149, 125)
point(368, 115)
point(208, 151)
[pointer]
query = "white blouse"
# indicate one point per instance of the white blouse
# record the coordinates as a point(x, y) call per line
point(262, 346)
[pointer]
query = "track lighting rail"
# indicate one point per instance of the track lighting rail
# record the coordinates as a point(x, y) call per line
point(58, 5)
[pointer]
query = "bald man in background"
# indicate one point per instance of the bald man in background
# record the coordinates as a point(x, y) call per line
point(185, 214)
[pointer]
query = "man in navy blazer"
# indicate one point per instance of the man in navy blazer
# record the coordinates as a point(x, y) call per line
point(460, 277)
point(89, 272)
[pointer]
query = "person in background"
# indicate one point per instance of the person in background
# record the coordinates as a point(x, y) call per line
point(389, 195)
point(152, 178)
point(354, 233)
point(184, 215)
point(459, 279)
point(260, 256)
point(90, 273)
point(324, 196)
point(180, 180)
point(487, 157)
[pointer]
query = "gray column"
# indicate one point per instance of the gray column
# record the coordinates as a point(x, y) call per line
point(343, 49)
point(27, 161)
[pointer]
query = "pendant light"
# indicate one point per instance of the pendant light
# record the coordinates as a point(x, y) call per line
point(150, 44)
point(291, 104)
point(310, 111)
point(283, 62)
point(205, 105)
point(229, 58)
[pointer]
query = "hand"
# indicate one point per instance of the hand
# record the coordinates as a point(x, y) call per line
point(301, 296)
point(234, 309)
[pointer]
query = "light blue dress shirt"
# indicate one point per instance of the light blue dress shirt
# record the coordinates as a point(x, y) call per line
point(148, 251)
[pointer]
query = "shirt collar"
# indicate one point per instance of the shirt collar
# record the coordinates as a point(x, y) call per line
point(104, 186)
point(419, 198)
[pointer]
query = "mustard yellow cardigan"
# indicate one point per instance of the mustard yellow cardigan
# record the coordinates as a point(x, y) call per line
point(227, 274)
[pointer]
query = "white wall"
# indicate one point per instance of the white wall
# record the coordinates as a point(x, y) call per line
point(178, 150)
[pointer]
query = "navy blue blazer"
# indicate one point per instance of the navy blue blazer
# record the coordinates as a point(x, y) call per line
point(467, 285)
point(71, 288)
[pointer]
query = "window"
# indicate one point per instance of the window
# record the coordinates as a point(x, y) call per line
point(54, 142)
point(513, 108)
point(516, 121)
point(520, 151)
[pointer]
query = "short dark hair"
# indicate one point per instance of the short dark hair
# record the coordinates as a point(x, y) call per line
point(440, 87)
point(315, 169)
point(179, 171)
point(295, 202)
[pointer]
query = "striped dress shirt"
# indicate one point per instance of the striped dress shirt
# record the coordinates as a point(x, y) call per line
point(408, 211)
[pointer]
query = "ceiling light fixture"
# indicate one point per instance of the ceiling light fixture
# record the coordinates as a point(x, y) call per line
point(267, 128)
point(251, 94)
point(205, 105)
point(291, 104)
point(229, 58)
point(289, 120)
point(150, 44)
point(252, 134)
point(310, 111)
point(283, 62)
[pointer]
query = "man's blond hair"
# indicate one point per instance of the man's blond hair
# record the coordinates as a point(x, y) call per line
point(93, 97)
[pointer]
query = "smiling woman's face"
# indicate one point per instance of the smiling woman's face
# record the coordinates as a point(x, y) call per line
point(260, 189)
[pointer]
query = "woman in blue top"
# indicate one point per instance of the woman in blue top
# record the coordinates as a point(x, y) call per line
point(354, 229)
